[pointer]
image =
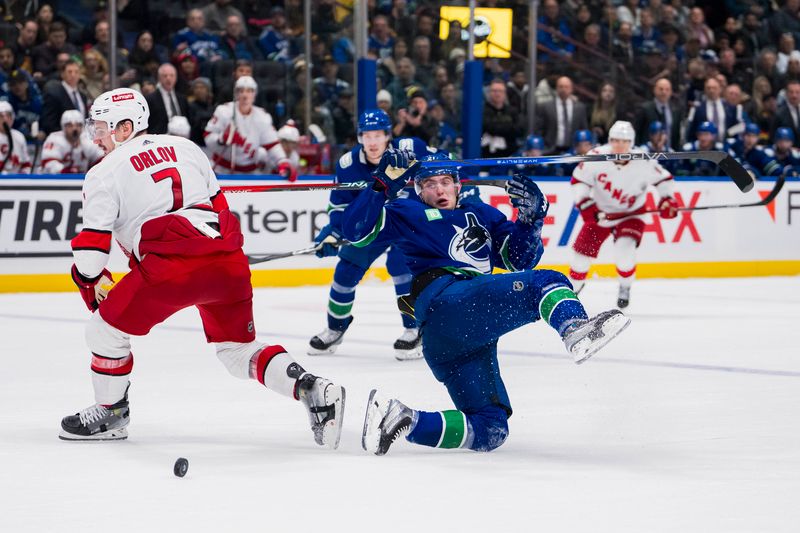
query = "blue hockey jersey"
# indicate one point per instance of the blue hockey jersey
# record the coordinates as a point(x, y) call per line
point(761, 160)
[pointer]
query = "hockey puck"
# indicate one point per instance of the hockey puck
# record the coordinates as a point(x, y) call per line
point(181, 467)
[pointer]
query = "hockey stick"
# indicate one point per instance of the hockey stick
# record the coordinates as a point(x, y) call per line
point(729, 165)
point(779, 181)
point(255, 259)
point(229, 142)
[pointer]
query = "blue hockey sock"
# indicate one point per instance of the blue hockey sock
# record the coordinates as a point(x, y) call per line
point(560, 307)
point(340, 306)
point(440, 429)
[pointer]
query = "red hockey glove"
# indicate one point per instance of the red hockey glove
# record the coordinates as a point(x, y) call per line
point(668, 207)
point(286, 170)
point(237, 139)
point(589, 211)
point(88, 288)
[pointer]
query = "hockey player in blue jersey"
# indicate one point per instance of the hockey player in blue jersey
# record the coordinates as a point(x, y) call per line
point(758, 160)
point(582, 142)
point(462, 308)
point(785, 153)
point(534, 147)
point(657, 142)
point(706, 140)
point(374, 128)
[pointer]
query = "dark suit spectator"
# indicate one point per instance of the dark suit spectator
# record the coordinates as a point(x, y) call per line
point(342, 116)
point(755, 33)
point(24, 44)
point(201, 108)
point(235, 43)
point(622, 50)
point(766, 65)
point(501, 123)
point(517, 90)
point(44, 55)
point(166, 103)
point(739, 73)
point(562, 117)
point(421, 55)
point(428, 26)
point(712, 109)
point(786, 19)
point(788, 114)
point(144, 57)
point(403, 83)
point(553, 39)
point(661, 108)
point(60, 97)
point(217, 13)
point(450, 100)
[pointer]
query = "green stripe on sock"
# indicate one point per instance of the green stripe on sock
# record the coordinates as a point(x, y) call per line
point(339, 310)
point(552, 299)
point(453, 429)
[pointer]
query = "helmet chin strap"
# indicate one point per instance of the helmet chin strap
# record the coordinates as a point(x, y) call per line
point(117, 143)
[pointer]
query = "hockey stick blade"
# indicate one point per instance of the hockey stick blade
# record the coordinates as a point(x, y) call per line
point(737, 173)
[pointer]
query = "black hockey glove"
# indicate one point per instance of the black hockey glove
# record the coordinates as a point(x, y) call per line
point(394, 171)
point(526, 196)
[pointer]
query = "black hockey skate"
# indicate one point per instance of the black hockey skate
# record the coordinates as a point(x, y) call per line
point(326, 342)
point(324, 402)
point(409, 345)
point(385, 421)
point(97, 422)
point(585, 337)
point(623, 297)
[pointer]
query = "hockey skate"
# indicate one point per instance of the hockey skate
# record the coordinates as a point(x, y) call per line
point(623, 297)
point(385, 421)
point(97, 422)
point(585, 337)
point(409, 345)
point(324, 402)
point(326, 342)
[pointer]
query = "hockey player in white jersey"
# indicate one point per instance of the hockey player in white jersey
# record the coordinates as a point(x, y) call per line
point(242, 137)
point(609, 195)
point(69, 151)
point(14, 158)
point(158, 197)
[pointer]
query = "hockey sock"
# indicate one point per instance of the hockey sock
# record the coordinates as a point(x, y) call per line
point(626, 277)
point(559, 307)
point(440, 429)
point(276, 370)
point(110, 377)
point(340, 305)
point(408, 322)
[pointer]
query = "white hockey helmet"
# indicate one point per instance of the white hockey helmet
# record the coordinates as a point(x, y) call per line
point(71, 116)
point(5, 107)
point(118, 105)
point(622, 130)
point(289, 132)
point(246, 82)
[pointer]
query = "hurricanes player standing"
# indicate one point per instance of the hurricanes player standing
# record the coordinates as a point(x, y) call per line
point(158, 197)
point(68, 151)
point(608, 195)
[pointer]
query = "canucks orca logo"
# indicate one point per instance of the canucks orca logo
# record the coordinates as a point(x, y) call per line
point(472, 245)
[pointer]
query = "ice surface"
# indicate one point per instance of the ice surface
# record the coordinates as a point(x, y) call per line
point(688, 422)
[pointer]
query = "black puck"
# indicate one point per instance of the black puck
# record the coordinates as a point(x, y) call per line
point(181, 467)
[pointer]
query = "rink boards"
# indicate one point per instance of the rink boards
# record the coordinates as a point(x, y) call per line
point(39, 215)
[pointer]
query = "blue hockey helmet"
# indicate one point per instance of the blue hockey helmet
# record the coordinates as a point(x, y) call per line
point(657, 127)
point(707, 127)
point(374, 120)
point(534, 142)
point(784, 134)
point(582, 136)
point(448, 170)
point(752, 129)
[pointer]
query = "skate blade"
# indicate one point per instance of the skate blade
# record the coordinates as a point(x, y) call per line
point(409, 355)
point(377, 408)
point(114, 434)
point(325, 351)
point(332, 431)
point(585, 348)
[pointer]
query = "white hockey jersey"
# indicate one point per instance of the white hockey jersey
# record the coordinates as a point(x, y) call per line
point(259, 148)
point(147, 177)
point(619, 188)
point(19, 162)
point(60, 157)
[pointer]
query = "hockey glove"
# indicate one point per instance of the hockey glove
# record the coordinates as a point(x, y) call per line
point(589, 211)
point(394, 171)
point(286, 170)
point(526, 196)
point(329, 238)
point(93, 291)
point(237, 139)
point(668, 207)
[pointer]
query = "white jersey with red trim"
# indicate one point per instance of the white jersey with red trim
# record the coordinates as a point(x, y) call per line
point(255, 146)
point(619, 188)
point(19, 161)
point(59, 156)
point(147, 177)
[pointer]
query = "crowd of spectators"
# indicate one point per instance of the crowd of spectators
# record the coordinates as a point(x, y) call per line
point(679, 63)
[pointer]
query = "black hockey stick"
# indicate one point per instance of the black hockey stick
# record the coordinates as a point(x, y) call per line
point(728, 164)
point(263, 258)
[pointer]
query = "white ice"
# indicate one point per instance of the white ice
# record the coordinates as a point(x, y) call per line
point(688, 422)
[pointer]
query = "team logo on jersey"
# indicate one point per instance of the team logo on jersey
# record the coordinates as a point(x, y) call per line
point(518, 286)
point(433, 214)
point(472, 245)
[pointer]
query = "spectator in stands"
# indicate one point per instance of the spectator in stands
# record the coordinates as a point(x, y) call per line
point(712, 109)
point(24, 44)
point(342, 115)
point(450, 100)
point(767, 66)
point(45, 19)
point(63, 96)
point(734, 96)
point(557, 28)
point(235, 43)
point(217, 15)
point(755, 33)
point(696, 82)
point(646, 36)
point(343, 49)
point(144, 57)
point(440, 79)
point(517, 89)
point(591, 41)
point(25, 98)
point(786, 19)
point(501, 123)
point(188, 70)
point(421, 55)
point(788, 114)
point(785, 47)
point(403, 82)
point(562, 117)
point(195, 40)
point(103, 35)
point(87, 37)
point(274, 40)
point(384, 101)
point(44, 55)
point(662, 108)
point(793, 69)
point(380, 40)
point(581, 20)
point(604, 112)
point(415, 121)
point(94, 73)
point(329, 86)
point(739, 73)
point(629, 12)
point(6, 67)
point(697, 28)
point(428, 26)
point(448, 138)
point(622, 50)
point(387, 66)
point(453, 40)
point(670, 43)
point(201, 108)
point(401, 19)
point(166, 103)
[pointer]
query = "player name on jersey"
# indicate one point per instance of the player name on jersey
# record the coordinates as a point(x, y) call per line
point(150, 158)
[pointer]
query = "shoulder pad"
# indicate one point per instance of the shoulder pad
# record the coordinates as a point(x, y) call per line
point(769, 151)
point(346, 160)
